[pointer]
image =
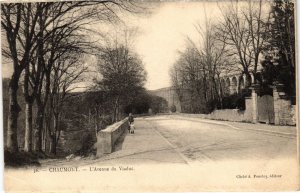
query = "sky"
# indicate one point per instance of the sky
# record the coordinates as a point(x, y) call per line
point(161, 34)
point(164, 33)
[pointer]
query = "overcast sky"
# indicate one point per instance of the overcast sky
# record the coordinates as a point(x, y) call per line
point(161, 35)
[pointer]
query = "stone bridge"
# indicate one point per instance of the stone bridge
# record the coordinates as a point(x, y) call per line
point(235, 82)
point(230, 84)
point(170, 95)
point(274, 108)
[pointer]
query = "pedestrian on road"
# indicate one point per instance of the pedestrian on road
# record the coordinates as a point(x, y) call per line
point(131, 123)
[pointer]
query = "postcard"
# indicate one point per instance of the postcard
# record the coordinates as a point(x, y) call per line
point(150, 96)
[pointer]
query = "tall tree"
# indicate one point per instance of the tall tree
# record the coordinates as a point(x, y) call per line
point(213, 54)
point(28, 27)
point(198, 69)
point(243, 31)
point(66, 72)
point(19, 26)
point(122, 73)
point(189, 75)
point(280, 47)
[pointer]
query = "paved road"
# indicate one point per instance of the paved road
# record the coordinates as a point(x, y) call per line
point(167, 139)
point(175, 139)
point(207, 155)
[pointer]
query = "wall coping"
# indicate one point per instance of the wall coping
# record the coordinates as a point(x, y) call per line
point(113, 127)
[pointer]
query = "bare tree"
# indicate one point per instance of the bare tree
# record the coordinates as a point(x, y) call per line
point(28, 26)
point(66, 73)
point(213, 54)
point(177, 83)
point(19, 26)
point(188, 75)
point(199, 67)
point(242, 30)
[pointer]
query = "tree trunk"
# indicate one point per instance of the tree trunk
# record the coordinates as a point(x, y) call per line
point(28, 128)
point(221, 92)
point(45, 135)
point(13, 114)
point(53, 144)
point(115, 110)
point(39, 128)
point(97, 121)
point(54, 139)
point(248, 79)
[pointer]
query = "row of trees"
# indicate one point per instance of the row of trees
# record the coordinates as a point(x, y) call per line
point(45, 43)
point(246, 34)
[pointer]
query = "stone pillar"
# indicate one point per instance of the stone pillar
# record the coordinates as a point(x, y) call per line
point(249, 109)
point(282, 106)
point(254, 89)
point(277, 105)
point(238, 89)
point(229, 86)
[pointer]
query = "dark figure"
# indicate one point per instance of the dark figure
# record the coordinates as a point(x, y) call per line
point(130, 118)
point(131, 125)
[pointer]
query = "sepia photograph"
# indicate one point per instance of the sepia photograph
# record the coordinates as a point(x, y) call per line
point(149, 96)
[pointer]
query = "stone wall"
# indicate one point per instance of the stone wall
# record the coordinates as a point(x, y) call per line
point(293, 115)
point(234, 114)
point(230, 115)
point(276, 109)
point(225, 115)
point(284, 111)
point(107, 138)
point(248, 114)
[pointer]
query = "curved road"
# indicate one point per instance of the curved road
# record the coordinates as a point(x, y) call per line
point(174, 139)
point(177, 139)
point(188, 154)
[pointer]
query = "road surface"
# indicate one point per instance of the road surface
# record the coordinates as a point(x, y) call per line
point(178, 153)
point(171, 139)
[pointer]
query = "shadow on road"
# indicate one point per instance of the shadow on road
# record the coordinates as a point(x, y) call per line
point(119, 143)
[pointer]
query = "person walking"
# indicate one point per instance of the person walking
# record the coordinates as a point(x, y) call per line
point(131, 123)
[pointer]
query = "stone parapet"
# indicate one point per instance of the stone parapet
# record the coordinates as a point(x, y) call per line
point(235, 115)
point(231, 115)
point(107, 138)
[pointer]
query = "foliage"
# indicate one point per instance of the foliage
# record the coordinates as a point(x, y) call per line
point(122, 75)
point(158, 104)
point(236, 101)
point(173, 108)
point(44, 42)
point(188, 76)
point(87, 147)
point(279, 63)
point(145, 101)
point(245, 33)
